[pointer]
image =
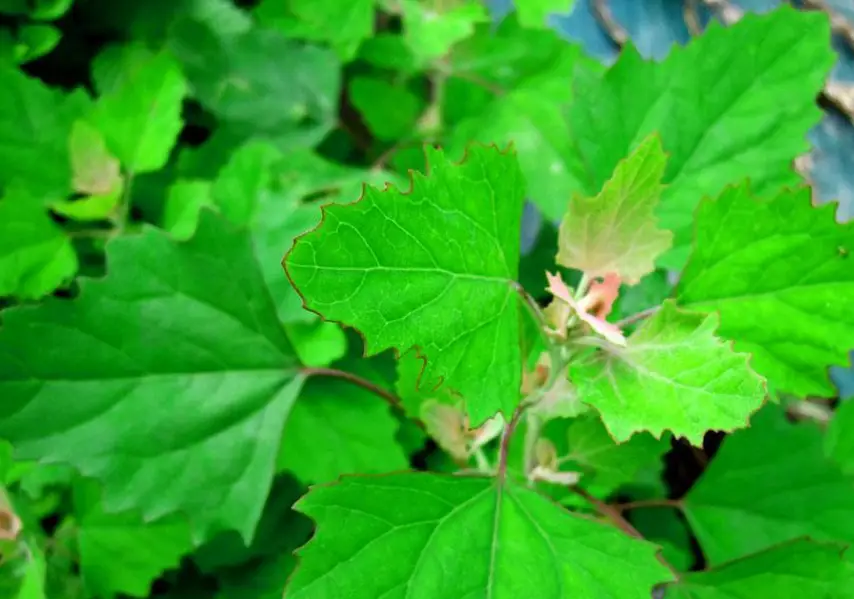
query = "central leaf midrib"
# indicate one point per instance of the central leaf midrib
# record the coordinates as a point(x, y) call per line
point(401, 269)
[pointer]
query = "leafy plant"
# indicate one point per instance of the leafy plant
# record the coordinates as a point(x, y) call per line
point(275, 320)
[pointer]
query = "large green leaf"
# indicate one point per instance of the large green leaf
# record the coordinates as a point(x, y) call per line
point(716, 106)
point(338, 428)
point(35, 255)
point(770, 483)
point(435, 268)
point(794, 570)
point(615, 231)
point(427, 535)
point(173, 378)
point(119, 553)
point(674, 374)
point(777, 271)
point(140, 118)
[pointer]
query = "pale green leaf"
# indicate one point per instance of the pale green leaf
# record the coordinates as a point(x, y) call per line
point(771, 483)
point(141, 118)
point(794, 570)
point(675, 374)
point(615, 231)
point(119, 553)
point(184, 201)
point(317, 343)
point(424, 536)
point(435, 268)
point(777, 271)
point(192, 322)
point(533, 13)
point(35, 255)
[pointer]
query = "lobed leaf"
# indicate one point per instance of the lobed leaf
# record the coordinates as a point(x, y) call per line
point(173, 374)
point(775, 270)
point(434, 268)
point(427, 535)
point(674, 374)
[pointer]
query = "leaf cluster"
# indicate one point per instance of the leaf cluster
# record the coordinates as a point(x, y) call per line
point(400, 298)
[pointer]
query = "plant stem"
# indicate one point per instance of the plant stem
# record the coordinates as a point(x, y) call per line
point(649, 503)
point(390, 398)
point(643, 314)
point(615, 516)
point(504, 448)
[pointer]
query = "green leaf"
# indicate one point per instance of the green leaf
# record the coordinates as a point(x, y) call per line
point(35, 255)
point(839, 441)
point(317, 343)
point(609, 464)
point(774, 270)
point(615, 231)
point(793, 570)
point(716, 107)
point(338, 428)
point(428, 535)
point(141, 118)
point(534, 13)
point(119, 553)
point(342, 23)
point(35, 124)
point(431, 27)
point(184, 202)
point(771, 483)
point(528, 72)
point(261, 83)
point(192, 322)
point(674, 374)
point(665, 527)
point(390, 111)
point(435, 268)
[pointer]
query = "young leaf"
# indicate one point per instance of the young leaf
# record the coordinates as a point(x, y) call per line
point(434, 268)
point(615, 231)
point(771, 483)
point(716, 107)
point(795, 570)
point(338, 428)
point(173, 374)
point(141, 118)
point(390, 111)
point(775, 271)
point(184, 202)
point(35, 255)
point(428, 535)
point(119, 553)
point(674, 374)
